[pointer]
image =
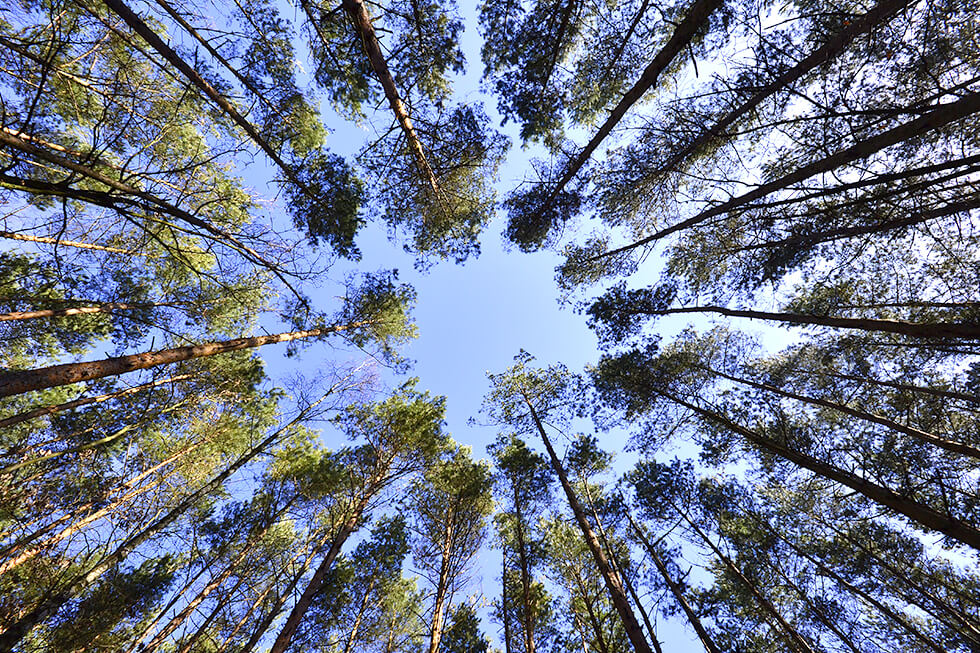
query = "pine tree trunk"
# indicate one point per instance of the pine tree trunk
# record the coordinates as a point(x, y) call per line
point(306, 598)
point(968, 331)
point(856, 591)
point(685, 31)
point(349, 647)
point(941, 116)
point(361, 21)
point(692, 617)
point(525, 576)
point(86, 401)
point(143, 31)
point(913, 510)
point(612, 581)
point(793, 638)
point(822, 55)
point(15, 383)
point(504, 605)
point(935, 392)
point(442, 590)
point(65, 243)
point(54, 600)
point(212, 585)
point(922, 436)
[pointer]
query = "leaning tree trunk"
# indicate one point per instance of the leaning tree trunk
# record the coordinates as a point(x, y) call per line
point(613, 584)
point(822, 55)
point(916, 512)
point(675, 589)
point(320, 575)
point(15, 383)
point(958, 330)
point(793, 637)
point(684, 33)
point(85, 401)
point(923, 436)
point(364, 27)
point(53, 601)
point(941, 116)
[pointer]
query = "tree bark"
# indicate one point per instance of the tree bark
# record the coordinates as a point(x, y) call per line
point(922, 436)
point(525, 576)
point(857, 591)
point(442, 588)
point(936, 392)
point(613, 583)
point(86, 401)
point(822, 55)
point(961, 330)
point(916, 512)
point(504, 608)
point(143, 30)
point(67, 243)
point(941, 116)
point(213, 584)
point(692, 617)
point(54, 600)
point(306, 598)
point(685, 31)
point(15, 383)
point(361, 21)
point(794, 639)
point(107, 307)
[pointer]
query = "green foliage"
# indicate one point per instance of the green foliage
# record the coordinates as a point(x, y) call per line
point(327, 209)
point(463, 634)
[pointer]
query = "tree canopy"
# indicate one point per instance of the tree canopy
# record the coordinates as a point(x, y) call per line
point(767, 214)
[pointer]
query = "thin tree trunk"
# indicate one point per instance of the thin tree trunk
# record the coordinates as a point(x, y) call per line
point(685, 31)
point(929, 596)
point(916, 512)
point(922, 436)
point(86, 401)
point(175, 599)
point(817, 612)
point(914, 218)
point(349, 647)
point(361, 21)
point(14, 383)
point(692, 617)
point(66, 243)
point(613, 583)
point(107, 307)
point(941, 116)
point(618, 568)
point(525, 577)
point(263, 626)
point(215, 582)
point(936, 392)
point(442, 588)
point(76, 526)
point(143, 30)
point(106, 199)
point(54, 600)
point(794, 639)
point(95, 444)
point(179, 19)
point(857, 591)
point(306, 598)
point(962, 330)
point(822, 55)
point(600, 638)
point(504, 608)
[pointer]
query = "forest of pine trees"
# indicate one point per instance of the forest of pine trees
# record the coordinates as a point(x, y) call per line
point(767, 213)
